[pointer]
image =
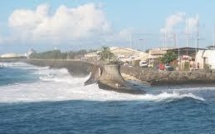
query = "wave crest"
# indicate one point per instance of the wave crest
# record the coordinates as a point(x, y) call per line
point(171, 96)
point(59, 85)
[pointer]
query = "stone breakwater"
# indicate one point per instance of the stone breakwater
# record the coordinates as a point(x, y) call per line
point(156, 77)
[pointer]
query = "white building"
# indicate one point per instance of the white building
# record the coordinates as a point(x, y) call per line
point(91, 55)
point(157, 52)
point(205, 58)
point(123, 54)
point(11, 55)
point(128, 54)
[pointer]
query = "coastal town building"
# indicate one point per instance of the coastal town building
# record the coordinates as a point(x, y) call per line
point(189, 58)
point(186, 57)
point(154, 56)
point(128, 54)
point(211, 47)
point(157, 53)
point(122, 54)
point(12, 55)
point(185, 52)
point(91, 56)
point(205, 59)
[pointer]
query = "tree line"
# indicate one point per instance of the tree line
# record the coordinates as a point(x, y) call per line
point(104, 54)
point(57, 54)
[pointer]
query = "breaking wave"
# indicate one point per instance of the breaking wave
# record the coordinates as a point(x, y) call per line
point(59, 85)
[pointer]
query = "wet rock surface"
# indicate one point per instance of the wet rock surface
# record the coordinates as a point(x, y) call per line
point(156, 77)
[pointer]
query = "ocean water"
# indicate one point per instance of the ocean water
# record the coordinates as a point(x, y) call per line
point(40, 100)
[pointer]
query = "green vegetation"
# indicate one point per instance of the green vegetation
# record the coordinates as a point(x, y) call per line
point(57, 54)
point(76, 54)
point(106, 55)
point(207, 67)
point(168, 57)
point(135, 63)
point(186, 66)
point(147, 50)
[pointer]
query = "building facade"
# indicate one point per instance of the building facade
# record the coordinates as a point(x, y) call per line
point(205, 59)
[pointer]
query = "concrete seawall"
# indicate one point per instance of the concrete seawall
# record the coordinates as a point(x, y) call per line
point(111, 73)
point(111, 79)
point(76, 68)
point(94, 76)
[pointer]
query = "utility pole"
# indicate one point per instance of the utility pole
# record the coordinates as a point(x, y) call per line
point(131, 40)
point(165, 38)
point(142, 42)
point(174, 39)
point(213, 37)
point(179, 57)
point(197, 36)
point(187, 33)
point(197, 42)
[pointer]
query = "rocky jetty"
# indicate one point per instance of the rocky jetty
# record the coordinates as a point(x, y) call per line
point(156, 77)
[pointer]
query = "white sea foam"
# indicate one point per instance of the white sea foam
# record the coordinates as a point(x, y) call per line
point(59, 85)
point(21, 65)
point(192, 89)
point(42, 91)
point(171, 96)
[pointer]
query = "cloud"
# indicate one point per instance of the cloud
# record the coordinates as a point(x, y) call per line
point(178, 25)
point(1, 39)
point(181, 19)
point(172, 21)
point(192, 22)
point(65, 24)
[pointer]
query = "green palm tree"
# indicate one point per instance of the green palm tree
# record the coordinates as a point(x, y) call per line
point(168, 57)
point(105, 54)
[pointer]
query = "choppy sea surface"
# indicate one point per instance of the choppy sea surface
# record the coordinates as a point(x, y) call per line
point(40, 100)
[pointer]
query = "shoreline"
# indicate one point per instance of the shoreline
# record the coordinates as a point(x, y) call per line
point(128, 77)
point(168, 84)
point(171, 78)
point(148, 76)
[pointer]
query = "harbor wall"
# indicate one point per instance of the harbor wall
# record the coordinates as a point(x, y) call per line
point(157, 77)
point(76, 68)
